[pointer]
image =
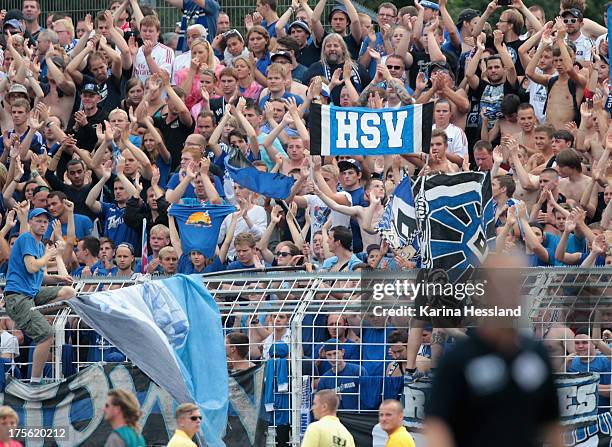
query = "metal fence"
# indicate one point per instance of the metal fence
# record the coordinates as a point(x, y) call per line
point(295, 307)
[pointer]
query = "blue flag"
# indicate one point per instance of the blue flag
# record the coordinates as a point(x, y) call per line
point(363, 131)
point(398, 225)
point(171, 329)
point(457, 220)
point(199, 225)
point(242, 171)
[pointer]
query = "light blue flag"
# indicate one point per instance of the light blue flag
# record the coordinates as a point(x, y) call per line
point(171, 329)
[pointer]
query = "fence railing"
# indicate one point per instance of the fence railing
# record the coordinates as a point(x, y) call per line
point(305, 309)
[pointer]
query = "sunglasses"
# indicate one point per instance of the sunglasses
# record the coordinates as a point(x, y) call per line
point(196, 418)
point(572, 21)
point(395, 67)
point(283, 254)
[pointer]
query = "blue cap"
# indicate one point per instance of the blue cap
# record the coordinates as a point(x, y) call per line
point(339, 8)
point(333, 344)
point(37, 212)
point(430, 5)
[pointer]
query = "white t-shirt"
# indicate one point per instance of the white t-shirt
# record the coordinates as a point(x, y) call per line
point(537, 98)
point(181, 61)
point(163, 57)
point(457, 141)
point(8, 343)
point(269, 341)
point(259, 219)
point(319, 213)
point(584, 45)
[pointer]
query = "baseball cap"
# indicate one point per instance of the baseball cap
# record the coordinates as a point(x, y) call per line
point(38, 212)
point(351, 163)
point(14, 23)
point(438, 65)
point(301, 24)
point(339, 8)
point(16, 14)
point(18, 88)
point(574, 12)
point(90, 88)
point(465, 16)
point(285, 54)
point(430, 5)
point(333, 344)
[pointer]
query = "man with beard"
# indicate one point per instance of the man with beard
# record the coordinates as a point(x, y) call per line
point(31, 13)
point(501, 76)
point(335, 53)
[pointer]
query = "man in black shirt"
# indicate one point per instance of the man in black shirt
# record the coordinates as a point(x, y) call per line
point(335, 53)
point(308, 53)
point(77, 190)
point(176, 122)
point(501, 75)
point(83, 121)
point(496, 387)
point(341, 17)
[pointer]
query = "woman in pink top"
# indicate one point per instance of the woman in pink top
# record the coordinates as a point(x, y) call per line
point(245, 69)
point(202, 58)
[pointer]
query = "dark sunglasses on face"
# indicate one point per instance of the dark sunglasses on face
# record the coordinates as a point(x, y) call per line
point(395, 67)
point(196, 418)
point(282, 254)
point(572, 21)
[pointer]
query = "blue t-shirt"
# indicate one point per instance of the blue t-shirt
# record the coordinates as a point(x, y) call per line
point(114, 226)
point(83, 226)
point(351, 355)
point(601, 365)
point(378, 46)
point(374, 349)
point(286, 95)
point(237, 265)
point(330, 262)
point(358, 199)
point(195, 14)
point(164, 171)
point(18, 279)
point(96, 269)
point(574, 245)
point(264, 62)
point(186, 266)
point(345, 383)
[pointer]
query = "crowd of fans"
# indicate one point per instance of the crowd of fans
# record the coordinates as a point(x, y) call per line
point(104, 125)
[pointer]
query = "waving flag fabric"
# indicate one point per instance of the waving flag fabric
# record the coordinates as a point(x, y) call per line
point(399, 225)
point(242, 171)
point(171, 329)
point(363, 131)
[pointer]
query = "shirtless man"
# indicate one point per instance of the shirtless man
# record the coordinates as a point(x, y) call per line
point(437, 155)
point(527, 120)
point(557, 337)
point(60, 97)
point(526, 184)
point(565, 88)
point(591, 137)
point(543, 146)
point(573, 181)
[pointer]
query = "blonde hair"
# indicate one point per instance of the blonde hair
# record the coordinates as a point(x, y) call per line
point(184, 409)
point(210, 60)
point(6, 411)
point(130, 408)
point(119, 112)
point(67, 24)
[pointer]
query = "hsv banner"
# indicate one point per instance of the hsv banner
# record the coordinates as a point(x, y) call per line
point(362, 131)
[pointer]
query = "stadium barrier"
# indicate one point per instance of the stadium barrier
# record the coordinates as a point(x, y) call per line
point(295, 306)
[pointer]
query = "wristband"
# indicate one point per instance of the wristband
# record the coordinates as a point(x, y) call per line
point(588, 94)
